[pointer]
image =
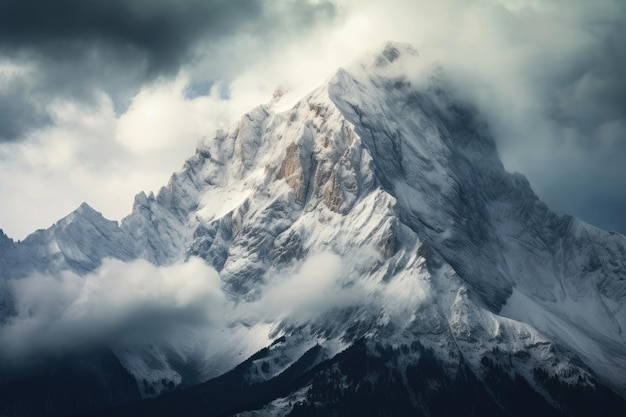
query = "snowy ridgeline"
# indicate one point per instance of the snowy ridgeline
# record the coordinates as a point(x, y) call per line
point(375, 210)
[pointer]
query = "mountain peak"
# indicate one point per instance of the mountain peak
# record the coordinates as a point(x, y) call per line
point(5, 240)
point(85, 208)
point(389, 60)
point(391, 51)
point(84, 211)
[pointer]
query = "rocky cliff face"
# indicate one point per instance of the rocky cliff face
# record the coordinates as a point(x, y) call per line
point(455, 280)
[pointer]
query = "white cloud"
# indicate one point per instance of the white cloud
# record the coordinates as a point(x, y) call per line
point(119, 303)
point(313, 287)
point(161, 119)
point(129, 305)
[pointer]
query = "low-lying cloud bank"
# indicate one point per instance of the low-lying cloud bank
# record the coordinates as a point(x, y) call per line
point(118, 303)
point(127, 305)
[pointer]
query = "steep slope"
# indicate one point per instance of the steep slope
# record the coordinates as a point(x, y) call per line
point(452, 279)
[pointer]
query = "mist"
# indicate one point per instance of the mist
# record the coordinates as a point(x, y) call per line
point(117, 304)
point(133, 305)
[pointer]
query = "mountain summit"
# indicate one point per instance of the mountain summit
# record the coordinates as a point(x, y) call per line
point(377, 259)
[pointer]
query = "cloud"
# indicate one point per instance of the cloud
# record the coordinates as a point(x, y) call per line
point(321, 283)
point(78, 49)
point(116, 305)
point(18, 100)
point(156, 35)
point(128, 305)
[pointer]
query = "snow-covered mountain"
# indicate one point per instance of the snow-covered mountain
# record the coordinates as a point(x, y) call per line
point(427, 280)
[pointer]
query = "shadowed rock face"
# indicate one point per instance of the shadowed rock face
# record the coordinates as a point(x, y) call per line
point(469, 287)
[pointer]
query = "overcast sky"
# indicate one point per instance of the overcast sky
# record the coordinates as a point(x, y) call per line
point(101, 99)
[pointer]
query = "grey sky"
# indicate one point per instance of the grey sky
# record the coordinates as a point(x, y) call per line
point(94, 96)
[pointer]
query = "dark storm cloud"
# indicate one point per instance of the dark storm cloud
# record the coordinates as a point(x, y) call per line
point(118, 45)
point(586, 103)
point(592, 93)
point(160, 32)
point(19, 109)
